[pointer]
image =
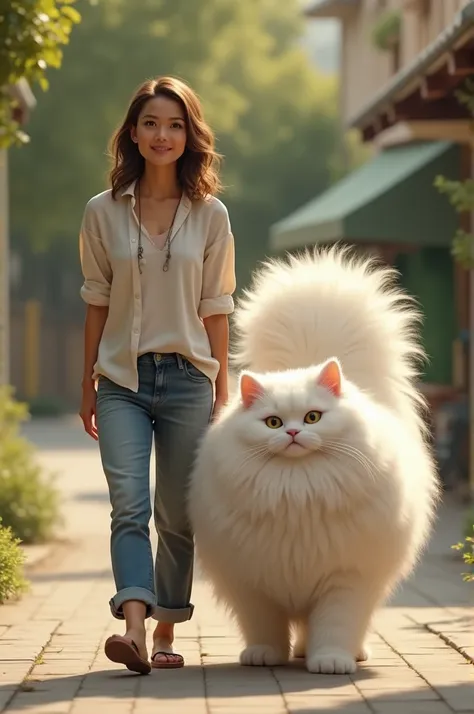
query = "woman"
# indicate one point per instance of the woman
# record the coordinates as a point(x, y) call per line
point(157, 255)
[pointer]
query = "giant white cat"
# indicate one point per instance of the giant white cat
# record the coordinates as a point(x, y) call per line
point(314, 492)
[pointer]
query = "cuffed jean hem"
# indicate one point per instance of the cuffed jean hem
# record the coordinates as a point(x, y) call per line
point(140, 594)
point(174, 615)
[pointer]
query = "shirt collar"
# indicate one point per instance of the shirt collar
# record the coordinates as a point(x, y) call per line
point(130, 190)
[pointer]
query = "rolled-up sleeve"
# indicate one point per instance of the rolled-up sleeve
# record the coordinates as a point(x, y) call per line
point(218, 281)
point(96, 269)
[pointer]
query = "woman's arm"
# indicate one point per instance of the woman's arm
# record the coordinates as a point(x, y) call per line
point(96, 293)
point(218, 285)
point(217, 328)
point(94, 326)
point(96, 318)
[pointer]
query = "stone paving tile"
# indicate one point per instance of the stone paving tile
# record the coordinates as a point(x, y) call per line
point(414, 669)
point(98, 705)
point(329, 705)
point(6, 694)
point(74, 675)
point(411, 708)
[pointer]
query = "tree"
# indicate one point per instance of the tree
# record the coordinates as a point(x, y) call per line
point(274, 116)
point(31, 35)
point(461, 193)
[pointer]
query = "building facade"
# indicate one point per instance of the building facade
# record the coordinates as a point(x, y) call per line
point(402, 65)
point(366, 67)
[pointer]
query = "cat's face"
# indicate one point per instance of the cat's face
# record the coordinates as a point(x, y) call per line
point(293, 414)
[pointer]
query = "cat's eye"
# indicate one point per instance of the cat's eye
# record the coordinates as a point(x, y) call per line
point(312, 417)
point(273, 422)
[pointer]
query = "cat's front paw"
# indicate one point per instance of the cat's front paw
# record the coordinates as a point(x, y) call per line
point(364, 654)
point(327, 662)
point(261, 656)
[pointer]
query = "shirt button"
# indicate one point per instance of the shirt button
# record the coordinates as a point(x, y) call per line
point(134, 240)
point(136, 330)
point(137, 296)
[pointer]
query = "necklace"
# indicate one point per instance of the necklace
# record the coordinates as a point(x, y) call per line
point(141, 260)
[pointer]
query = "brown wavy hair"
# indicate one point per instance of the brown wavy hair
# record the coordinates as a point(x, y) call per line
point(197, 167)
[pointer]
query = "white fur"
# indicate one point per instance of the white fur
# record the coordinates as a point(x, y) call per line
point(315, 535)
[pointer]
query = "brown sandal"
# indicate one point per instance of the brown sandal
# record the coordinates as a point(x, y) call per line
point(166, 665)
point(124, 651)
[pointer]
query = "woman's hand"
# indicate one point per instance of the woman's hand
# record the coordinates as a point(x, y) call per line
point(220, 402)
point(217, 328)
point(88, 409)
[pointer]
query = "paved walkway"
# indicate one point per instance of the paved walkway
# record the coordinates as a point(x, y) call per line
point(51, 659)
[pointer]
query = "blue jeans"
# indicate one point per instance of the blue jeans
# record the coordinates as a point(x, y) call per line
point(174, 405)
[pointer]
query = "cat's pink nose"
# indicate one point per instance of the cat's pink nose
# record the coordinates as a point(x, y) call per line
point(293, 432)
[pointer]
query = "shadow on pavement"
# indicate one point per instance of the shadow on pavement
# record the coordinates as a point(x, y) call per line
point(38, 577)
point(230, 681)
point(58, 434)
point(93, 496)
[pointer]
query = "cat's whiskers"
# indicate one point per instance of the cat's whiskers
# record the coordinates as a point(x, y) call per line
point(366, 463)
point(253, 453)
point(345, 453)
point(349, 450)
point(259, 448)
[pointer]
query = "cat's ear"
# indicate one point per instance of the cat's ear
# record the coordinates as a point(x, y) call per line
point(330, 377)
point(250, 390)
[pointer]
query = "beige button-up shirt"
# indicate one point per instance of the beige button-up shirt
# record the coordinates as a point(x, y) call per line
point(162, 310)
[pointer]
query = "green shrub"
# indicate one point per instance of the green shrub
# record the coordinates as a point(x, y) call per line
point(386, 32)
point(46, 407)
point(29, 502)
point(466, 547)
point(468, 524)
point(12, 582)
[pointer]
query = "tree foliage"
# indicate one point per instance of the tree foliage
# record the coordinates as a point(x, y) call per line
point(466, 547)
point(31, 35)
point(461, 193)
point(274, 115)
point(461, 197)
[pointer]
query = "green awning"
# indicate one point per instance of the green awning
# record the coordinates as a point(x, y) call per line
point(390, 199)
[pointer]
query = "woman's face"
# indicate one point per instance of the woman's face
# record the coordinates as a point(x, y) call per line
point(161, 131)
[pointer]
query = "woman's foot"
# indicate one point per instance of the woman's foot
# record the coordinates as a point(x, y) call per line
point(129, 650)
point(138, 636)
point(163, 656)
point(134, 612)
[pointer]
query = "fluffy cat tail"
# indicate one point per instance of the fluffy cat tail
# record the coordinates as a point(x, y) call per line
point(328, 303)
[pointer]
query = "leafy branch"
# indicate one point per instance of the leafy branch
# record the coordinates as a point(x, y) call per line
point(461, 193)
point(31, 35)
point(386, 32)
point(461, 197)
point(468, 555)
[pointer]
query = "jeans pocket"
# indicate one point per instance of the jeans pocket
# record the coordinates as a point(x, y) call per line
point(104, 385)
point(193, 373)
